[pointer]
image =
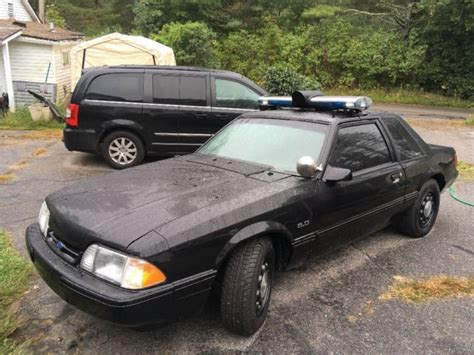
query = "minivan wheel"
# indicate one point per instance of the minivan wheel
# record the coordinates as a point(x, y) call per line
point(247, 286)
point(421, 217)
point(122, 149)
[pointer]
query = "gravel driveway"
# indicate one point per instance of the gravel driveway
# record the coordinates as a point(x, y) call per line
point(330, 304)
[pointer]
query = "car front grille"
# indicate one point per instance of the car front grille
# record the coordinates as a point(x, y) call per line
point(62, 250)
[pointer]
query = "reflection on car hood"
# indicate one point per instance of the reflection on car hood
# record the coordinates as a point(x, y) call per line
point(120, 207)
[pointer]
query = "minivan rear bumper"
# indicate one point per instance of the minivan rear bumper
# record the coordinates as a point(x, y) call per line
point(81, 140)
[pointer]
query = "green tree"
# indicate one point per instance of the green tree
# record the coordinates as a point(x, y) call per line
point(192, 42)
point(447, 30)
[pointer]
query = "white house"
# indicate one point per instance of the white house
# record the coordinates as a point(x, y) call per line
point(35, 56)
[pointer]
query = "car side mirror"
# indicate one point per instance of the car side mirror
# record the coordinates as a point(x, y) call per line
point(307, 167)
point(333, 174)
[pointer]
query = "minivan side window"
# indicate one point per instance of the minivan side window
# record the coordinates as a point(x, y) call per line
point(193, 91)
point(166, 89)
point(232, 94)
point(117, 87)
point(404, 142)
point(359, 147)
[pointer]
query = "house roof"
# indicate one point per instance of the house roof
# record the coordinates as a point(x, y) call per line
point(40, 31)
point(7, 31)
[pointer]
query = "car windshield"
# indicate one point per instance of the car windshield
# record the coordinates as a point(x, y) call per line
point(273, 142)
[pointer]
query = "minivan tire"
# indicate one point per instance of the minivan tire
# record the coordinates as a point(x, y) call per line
point(122, 149)
point(247, 286)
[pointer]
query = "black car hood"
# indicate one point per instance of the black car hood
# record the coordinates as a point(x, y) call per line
point(120, 207)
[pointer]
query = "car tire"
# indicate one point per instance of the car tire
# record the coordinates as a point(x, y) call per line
point(122, 149)
point(246, 287)
point(420, 218)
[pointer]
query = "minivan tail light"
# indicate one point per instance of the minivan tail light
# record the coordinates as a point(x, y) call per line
point(72, 115)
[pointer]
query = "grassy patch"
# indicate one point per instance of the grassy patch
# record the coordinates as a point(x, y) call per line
point(39, 152)
point(435, 287)
point(7, 176)
point(469, 121)
point(22, 120)
point(14, 274)
point(404, 96)
point(466, 171)
point(437, 124)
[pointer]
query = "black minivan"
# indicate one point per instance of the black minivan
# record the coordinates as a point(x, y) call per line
point(127, 112)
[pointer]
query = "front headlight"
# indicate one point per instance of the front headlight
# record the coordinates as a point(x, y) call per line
point(125, 271)
point(43, 218)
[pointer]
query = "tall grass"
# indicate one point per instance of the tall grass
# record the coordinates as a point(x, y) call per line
point(14, 275)
point(22, 120)
point(403, 96)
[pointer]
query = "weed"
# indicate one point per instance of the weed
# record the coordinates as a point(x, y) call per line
point(435, 287)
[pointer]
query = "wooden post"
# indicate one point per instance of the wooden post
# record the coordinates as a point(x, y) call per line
point(8, 76)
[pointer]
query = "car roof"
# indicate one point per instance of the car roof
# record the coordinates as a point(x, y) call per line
point(329, 117)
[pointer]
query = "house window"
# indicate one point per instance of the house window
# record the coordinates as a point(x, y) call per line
point(65, 58)
point(11, 12)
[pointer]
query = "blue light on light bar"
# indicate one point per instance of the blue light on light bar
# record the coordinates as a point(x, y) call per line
point(322, 103)
point(359, 103)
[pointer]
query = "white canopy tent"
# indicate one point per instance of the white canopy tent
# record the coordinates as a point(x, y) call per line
point(118, 49)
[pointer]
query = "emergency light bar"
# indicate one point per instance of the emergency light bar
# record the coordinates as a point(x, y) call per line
point(316, 100)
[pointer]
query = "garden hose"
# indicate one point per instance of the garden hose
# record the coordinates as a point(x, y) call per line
point(452, 193)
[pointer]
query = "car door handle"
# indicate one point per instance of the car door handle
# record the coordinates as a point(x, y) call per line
point(396, 177)
point(222, 115)
point(200, 115)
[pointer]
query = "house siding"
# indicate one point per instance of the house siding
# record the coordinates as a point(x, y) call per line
point(30, 61)
point(62, 72)
point(29, 66)
point(19, 10)
point(3, 84)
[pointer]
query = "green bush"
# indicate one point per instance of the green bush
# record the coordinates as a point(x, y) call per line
point(281, 80)
point(192, 42)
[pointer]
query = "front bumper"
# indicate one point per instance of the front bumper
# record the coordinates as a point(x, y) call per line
point(131, 308)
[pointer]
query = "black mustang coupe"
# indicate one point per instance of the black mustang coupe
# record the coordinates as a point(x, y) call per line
point(147, 245)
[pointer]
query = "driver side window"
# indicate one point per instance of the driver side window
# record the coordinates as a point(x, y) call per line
point(235, 95)
point(359, 147)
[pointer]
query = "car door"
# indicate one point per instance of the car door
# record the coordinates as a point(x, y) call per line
point(411, 152)
point(347, 210)
point(195, 124)
point(161, 110)
point(231, 98)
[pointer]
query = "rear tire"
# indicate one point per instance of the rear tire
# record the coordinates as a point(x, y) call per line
point(122, 149)
point(247, 284)
point(420, 218)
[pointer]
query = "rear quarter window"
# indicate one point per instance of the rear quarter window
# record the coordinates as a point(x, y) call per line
point(405, 144)
point(117, 87)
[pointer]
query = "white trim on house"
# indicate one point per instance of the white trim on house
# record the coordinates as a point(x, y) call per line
point(30, 10)
point(46, 41)
point(8, 76)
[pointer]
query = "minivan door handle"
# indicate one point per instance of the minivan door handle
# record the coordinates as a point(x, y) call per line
point(200, 115)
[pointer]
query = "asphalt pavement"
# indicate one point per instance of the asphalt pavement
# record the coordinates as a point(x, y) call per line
point(329, 305)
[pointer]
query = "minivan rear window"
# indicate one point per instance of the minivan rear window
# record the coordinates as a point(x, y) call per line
point(117, 87)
